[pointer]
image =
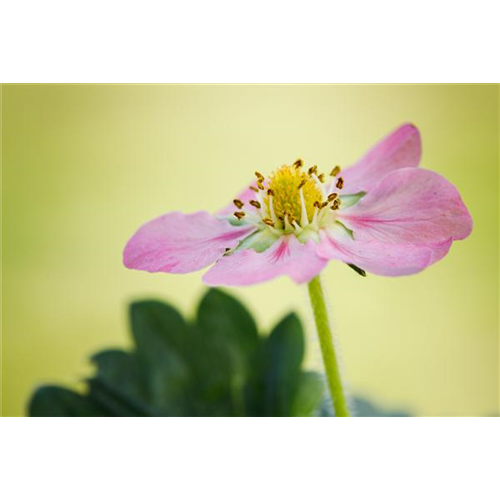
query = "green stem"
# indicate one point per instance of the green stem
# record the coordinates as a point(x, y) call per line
point(330, 361)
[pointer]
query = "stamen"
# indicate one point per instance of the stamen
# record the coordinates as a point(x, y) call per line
point(239, 215)
point(318, 183)
point(260, 185)
point(238, 203)
point(269, 222)
point(288, 226)
point(313, 170)
point(332, 196)
point(270, 192)
point(298, 163)
point(324, 204)
point(336, 204)
point(316, 204)
point(340, 183)
point(255, 204)
point(302, 184)
point(253, 188)
point(335, 171)
point(271, 209)
point(315, 217)
point(259, 176)
point(304, 221)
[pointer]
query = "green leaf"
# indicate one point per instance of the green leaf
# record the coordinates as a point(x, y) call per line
point(223, 316)
point(120, 381)
point(121, 369)
point(309, 395)
point(227, 339)
point(163, 342)
point(53, 401)
point(116, 402)
point(157, 327)
point(284, 352)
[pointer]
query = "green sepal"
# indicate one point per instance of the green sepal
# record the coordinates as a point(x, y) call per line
point(360, 271)
point(348, 200)
point(345, 229)
point(259, 241)
point(308, 234)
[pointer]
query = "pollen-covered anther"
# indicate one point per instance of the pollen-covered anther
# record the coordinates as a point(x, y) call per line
point(270, 192)
point(336, 204)
point(321, 177)
point(255, 204)
point(332, 196)
point(302, 184)
point(253, 188)
point(239, 215)
point(238, 203)
point(268, 221)
point(259, 176)
point(317, 204)
point(313, 170)
point(335, 171)
point(340, 183)
point(260, 185)
point(298, 163)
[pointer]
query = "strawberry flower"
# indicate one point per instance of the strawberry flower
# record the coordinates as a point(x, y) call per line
point(383, 215)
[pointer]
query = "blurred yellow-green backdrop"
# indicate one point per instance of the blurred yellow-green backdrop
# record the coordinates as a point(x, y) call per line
point(84, 165)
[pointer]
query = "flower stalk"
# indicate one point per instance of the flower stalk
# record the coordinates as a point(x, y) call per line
point(330, 360)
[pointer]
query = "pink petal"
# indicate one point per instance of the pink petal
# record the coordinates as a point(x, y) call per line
point(286, 256)
point(412, 206)
point(401, 149)
point(379, 257)
point(180, 243)
point(245, 196)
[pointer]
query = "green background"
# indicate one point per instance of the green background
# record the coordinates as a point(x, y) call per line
point(84, 166)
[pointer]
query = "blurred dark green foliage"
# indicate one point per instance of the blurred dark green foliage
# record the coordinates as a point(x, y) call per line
point(216, 366)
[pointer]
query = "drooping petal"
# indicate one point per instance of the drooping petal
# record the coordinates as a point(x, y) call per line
point(378, 257)
point(286, 256)
point(409, 206)
point(181, 243)
point(401, 149)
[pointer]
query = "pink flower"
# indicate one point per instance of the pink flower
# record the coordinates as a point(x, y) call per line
point(382, 214)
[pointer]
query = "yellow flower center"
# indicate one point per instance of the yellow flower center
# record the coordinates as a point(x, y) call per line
point(285, 187)
point(293, 200)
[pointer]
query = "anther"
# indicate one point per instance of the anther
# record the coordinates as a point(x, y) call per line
point(259, 176)
point(298, 163)
point(332, 196)
point(255, 204)
point(324, 204)
point(260, 185)
point(302, 184)
point(336, 204)
point(313, 170)
point(335, 171)
point(238, 203)
point(253, 188)
point(269, 222)
point(239, 215)
point(317, 204)
point(340, 183)
point(270, 192)
point(321, 177)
